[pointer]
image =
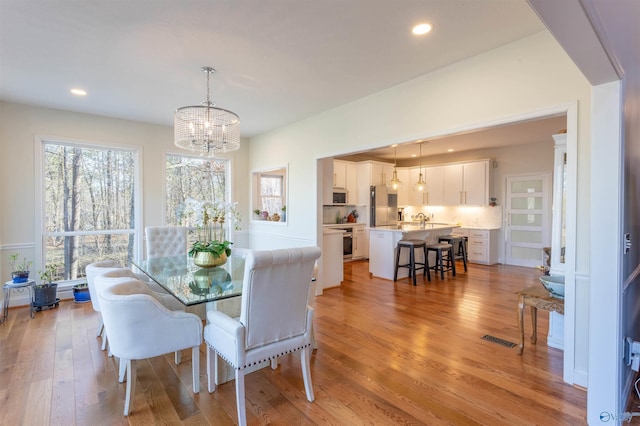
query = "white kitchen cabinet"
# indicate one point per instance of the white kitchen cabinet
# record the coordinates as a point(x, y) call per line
point(327, 181)
point(378, 173)
point(360, 242)
point(371, 173)
point(482, 246)
point(434, 188)
point(404, 187)
point(466, 184)
point(339, 174)
point(415, 196)
point(332, 272)
point(351, 182)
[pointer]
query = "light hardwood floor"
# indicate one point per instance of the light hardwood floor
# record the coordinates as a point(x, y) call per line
point(389, 353)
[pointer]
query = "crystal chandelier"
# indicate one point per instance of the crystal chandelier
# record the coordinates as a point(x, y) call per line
point(420, 183)
point(205, 128)
point(395, 182)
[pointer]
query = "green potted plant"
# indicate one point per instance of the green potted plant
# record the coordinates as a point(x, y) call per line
point(44, 293)
point(19, 270)
point(211, 248)
point(258, 214)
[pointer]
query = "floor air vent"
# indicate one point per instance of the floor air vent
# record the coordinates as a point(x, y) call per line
point(498, 341)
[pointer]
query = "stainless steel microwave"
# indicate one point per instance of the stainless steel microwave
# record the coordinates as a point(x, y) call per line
point(339, 196)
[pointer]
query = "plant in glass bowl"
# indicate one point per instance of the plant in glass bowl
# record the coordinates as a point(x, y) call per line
point(210, 219)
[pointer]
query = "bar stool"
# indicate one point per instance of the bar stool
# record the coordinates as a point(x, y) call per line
point(441, 248)
point(413, 266)
point(457, 241)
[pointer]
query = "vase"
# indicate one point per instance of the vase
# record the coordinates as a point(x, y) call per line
point(205, 259)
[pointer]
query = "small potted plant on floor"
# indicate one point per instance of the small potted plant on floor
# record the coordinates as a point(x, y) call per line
point(81, 293)
point(44, 293)
point(19, 270)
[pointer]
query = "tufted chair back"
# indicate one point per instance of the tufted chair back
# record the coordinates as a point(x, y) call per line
point(275, 294)
point(140, 327)
point(275, 317)
point(163, 241)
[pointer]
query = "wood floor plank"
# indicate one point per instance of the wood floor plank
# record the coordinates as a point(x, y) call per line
point(388, 353)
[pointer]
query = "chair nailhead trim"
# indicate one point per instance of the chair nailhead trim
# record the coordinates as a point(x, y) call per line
point(257, 362)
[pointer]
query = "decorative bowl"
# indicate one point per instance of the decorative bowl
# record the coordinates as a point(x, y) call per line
point(554, 285)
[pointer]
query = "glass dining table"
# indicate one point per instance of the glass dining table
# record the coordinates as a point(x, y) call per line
point(191, 284)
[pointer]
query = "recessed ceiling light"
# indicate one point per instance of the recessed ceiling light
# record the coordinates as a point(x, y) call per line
point(421, 29)
point(394, 145)
point(414, 155)
point(78, 92)
point(450, 150)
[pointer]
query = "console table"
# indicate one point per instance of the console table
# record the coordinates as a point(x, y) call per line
point(536, 297)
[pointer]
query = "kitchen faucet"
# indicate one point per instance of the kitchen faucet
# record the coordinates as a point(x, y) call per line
point(422, 220)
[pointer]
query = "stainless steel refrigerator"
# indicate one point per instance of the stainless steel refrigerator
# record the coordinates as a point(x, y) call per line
point(384, 206)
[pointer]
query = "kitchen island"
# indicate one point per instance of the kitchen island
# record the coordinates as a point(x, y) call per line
point(383, 241)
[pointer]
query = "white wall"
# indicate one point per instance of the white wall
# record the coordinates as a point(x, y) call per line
point(19, 125)
point(530, 75)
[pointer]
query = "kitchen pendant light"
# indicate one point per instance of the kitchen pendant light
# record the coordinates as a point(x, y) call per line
point(206, 129)
point(395, 182)
point(420, 183)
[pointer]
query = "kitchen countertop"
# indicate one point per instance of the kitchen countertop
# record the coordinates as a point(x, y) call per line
point(412, 228)
point(329, 231)
point(341, 225)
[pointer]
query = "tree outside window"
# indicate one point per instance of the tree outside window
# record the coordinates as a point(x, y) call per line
point(271, 193)
point(88, 205)
point(194, 178)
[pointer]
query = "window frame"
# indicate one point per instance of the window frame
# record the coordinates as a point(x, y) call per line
point(40, 215)
point(256, 195)
point(228, 193)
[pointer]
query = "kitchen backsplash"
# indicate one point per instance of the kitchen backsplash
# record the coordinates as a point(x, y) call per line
point(340, 214)
point(484, 217)
point(481, 217)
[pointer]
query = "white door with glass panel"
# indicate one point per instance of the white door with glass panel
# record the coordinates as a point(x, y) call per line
point(528, 219)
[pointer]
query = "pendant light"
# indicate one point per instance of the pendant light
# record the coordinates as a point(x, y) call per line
point(420, 183)
point(206, 129)
point(395, 182)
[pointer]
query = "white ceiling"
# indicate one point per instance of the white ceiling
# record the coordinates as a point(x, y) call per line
point(278, 61)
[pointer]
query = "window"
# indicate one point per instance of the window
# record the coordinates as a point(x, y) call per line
point(88, 205)
point(270, 194)
point(194, 178)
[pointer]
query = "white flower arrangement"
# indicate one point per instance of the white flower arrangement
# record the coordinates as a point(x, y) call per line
point(209, 218)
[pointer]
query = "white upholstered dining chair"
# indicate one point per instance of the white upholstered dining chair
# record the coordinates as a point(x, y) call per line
point(140, 327)
point(275, 318)
point(163, 241)
point(91, 271)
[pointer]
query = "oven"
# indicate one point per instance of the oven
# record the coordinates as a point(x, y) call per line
point(347, 242)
